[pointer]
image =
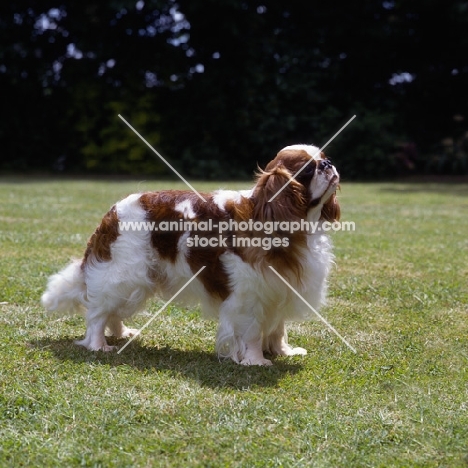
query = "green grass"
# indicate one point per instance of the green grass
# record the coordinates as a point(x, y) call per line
point(398, 293)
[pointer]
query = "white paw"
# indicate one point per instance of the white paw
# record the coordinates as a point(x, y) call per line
point(256, 362)
point(107, 348)
point(298, 351)
point(129, 332)
point(96, 346)
point(83, 343)
point(288, 351)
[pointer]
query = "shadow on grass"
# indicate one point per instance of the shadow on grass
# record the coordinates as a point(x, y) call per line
point(201, 366)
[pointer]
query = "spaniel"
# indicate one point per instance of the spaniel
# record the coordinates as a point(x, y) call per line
point(251, 250)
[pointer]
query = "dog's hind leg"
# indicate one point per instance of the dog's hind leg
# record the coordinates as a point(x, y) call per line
point(116, 327)
point(95, 339)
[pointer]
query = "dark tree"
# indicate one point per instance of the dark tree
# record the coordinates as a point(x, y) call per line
point(221, 86)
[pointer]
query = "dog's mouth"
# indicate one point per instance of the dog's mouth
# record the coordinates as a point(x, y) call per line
point(331, 188)
point(333, 182)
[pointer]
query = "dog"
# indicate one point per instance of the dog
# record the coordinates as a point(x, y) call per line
point(244, 246)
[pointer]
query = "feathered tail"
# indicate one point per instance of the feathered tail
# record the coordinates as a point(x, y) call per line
point(66, 291)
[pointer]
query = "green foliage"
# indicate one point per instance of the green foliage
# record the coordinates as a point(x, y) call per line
point(108, 145)
point(218, 97)
point(365, 149)
point(451, 157)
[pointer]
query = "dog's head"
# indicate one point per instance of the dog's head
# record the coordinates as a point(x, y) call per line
point(299, 183)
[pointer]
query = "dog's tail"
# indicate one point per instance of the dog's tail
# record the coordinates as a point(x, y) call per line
point(66, 291)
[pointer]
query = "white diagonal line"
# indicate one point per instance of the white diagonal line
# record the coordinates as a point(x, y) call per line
point(313, 310)
point(161, 309)
point(312, 158)
point(162, 159)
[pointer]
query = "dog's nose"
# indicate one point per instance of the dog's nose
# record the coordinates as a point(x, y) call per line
point(324, 164)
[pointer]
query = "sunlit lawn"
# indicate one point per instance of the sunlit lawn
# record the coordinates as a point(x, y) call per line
point(398, 293)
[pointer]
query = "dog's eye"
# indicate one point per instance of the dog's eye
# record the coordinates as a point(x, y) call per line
point(307, 173)
point(309, 169)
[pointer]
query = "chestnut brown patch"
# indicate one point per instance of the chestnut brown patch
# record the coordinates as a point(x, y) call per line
point(99, 244)
point(291, 204)
point(160, 206)
point(214, 277)
point(260, 250)
point(331, 209)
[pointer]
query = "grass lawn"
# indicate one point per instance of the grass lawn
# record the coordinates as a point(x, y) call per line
point(399, 295)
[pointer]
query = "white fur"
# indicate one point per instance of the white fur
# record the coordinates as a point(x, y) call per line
point(186, 209)
point(66, 290)
point(312, 151)
point(251, 319)
point(220, 197)
point(120, 287)
point(261, 303)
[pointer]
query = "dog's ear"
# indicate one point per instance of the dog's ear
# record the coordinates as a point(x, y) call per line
point(331, 209)
point(289, 204)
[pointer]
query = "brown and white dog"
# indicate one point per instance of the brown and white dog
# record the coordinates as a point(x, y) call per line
point(122, 268)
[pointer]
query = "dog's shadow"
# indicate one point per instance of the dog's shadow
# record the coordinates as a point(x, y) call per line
point(201, 366)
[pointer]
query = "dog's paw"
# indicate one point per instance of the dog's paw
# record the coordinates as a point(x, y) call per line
point(96, 346)
point(297, 351)
point(256, 362)
point(108, 348)
point(289, 351)
point(129, 332)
